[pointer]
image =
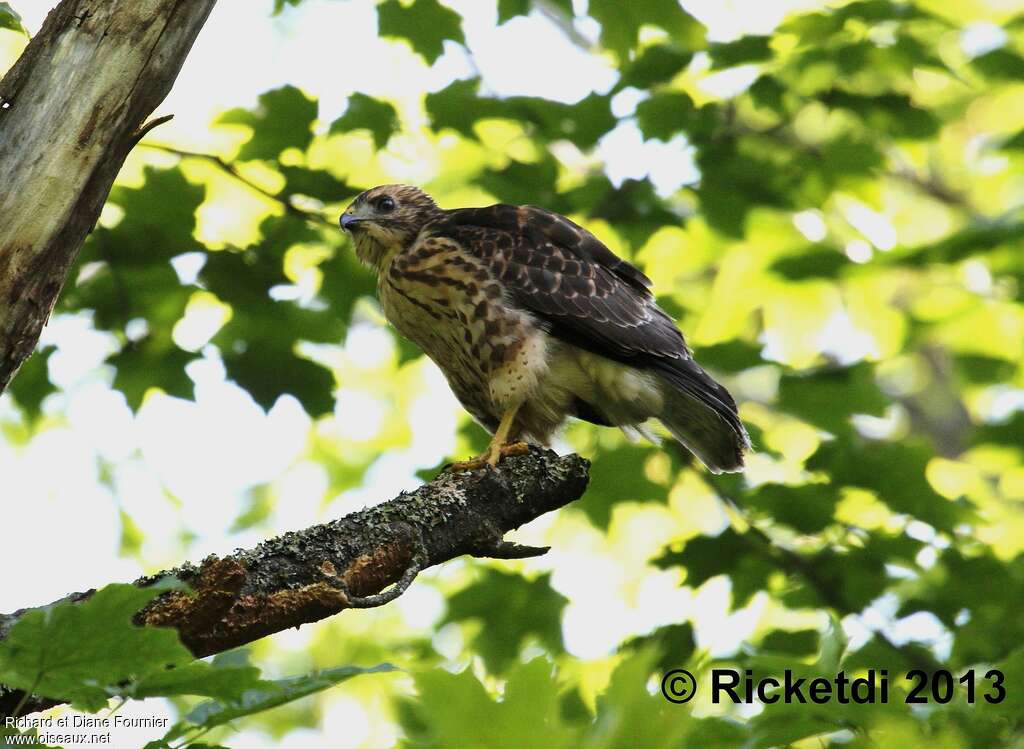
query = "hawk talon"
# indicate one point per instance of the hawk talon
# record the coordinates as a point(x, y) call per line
point(491, 457)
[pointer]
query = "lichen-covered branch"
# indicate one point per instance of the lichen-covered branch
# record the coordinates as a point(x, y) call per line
point(307, 575)
point(71, 109)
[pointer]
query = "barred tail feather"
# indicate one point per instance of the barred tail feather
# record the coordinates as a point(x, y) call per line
point(701, 414)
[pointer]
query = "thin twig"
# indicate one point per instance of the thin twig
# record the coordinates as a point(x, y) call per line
point(144, 129)
point(231, 170)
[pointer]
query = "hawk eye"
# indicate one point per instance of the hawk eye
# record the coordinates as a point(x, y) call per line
point(386, 204)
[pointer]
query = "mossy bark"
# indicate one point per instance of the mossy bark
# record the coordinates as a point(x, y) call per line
point(304, 576)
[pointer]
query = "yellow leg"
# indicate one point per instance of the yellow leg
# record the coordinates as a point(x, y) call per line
point(499, 448)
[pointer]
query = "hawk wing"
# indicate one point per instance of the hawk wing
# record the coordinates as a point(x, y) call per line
point(565, 276)
point(585, 294)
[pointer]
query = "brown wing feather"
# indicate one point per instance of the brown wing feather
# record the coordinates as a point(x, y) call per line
point(563, 274)
point(584, 293)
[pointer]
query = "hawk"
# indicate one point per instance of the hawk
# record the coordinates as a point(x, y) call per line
point(533, 320)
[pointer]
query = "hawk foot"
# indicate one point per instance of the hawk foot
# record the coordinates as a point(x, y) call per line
point(492, 456)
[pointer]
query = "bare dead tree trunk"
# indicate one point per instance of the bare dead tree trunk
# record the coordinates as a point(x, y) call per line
point(71, 109)
point(311, 574)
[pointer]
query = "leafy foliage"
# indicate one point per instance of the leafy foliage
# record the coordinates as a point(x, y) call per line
point(621, 23)
point(425, 23)
point(88, 652)
point(264, 695)
point(82, 652)
point(366, 113)
point(281, 121)
point(510, 610)
point(458, 106)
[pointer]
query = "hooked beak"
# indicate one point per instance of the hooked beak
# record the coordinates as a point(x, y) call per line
point(348, 221)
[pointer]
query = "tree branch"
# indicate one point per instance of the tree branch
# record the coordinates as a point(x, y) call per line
point(308, 575)
point(75, 104)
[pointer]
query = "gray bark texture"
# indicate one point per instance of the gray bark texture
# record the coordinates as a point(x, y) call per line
point(308, 575)
point(71, 109)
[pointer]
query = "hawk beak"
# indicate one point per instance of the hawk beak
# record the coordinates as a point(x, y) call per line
point(348, 221)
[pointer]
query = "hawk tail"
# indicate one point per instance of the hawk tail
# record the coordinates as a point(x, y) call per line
point(701, 414)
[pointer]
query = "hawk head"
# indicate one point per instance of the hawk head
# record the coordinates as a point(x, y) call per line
point(383, 220)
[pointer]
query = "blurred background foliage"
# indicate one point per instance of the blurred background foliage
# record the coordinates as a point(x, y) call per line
point(843, 248)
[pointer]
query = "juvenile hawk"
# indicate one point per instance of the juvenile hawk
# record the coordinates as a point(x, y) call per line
point(533, 320)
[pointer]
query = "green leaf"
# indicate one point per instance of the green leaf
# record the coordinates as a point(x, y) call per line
point(31, 384)
point(1014, 142)
point(152, 362)
point(884, 10)
point(269, 370)
point(770, 730)
point(663, 115)
point(509, 9)
point(426, 24)
point(227, 678)
point(728, 553)
point(800, 643)
point(655, 64)
point(1000, 64)
point(283, 119)
point(972, 240)
point(511, 610)
point(984, 370)
point(9, 19)
point(828, 397)
point(630, 716)
point(82, 651)
point(367, 113)
point(895, 114)
point(732, 357)
point(131, 278)
point(459, 107)
point(258, 344)
point(455, 710)
point(268, 695)
point(847, 156)
point(744, 50)
point(808, 508)
point(768, 91)
point(674, 643)
point(521, 183)
point(894, 471)
point(633, 208)
point(316, 183)
point(279, 5)
point(1006, 432)
point(621, 23)
point(617, 475)
point(815, 28)
point(961, 597)
point(159, 221)
point(833, 647)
